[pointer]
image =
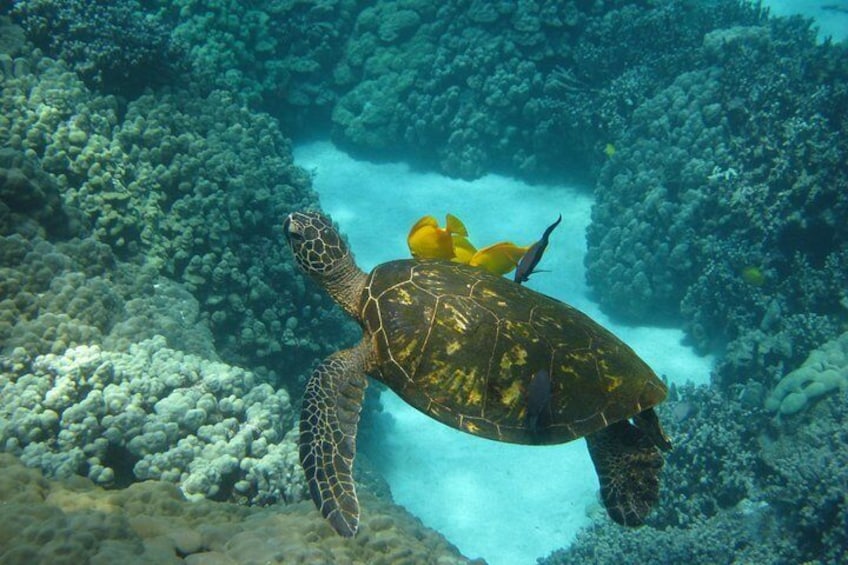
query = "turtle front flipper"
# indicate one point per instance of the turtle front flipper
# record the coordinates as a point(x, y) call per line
point(328, 423)
point(628, 466)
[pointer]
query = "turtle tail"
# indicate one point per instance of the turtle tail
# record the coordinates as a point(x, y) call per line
point(628, 464)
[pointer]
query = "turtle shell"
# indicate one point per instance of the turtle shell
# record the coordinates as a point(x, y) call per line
point(496, 359)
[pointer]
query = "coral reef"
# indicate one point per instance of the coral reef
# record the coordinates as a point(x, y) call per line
point(280, 55)
point(722, 201)
point(76, 522)
point(30, 203)
point(115, 47)
point(135, 233)
point(12, 38)
point(150, 413)
point(468, 87)
point(807, 476)
point(529, 88)
point(193, 187)
point(75, 291)
point(55, 296)
point(737, 488)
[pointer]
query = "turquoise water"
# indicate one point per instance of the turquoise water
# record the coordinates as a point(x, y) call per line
point(155, 327)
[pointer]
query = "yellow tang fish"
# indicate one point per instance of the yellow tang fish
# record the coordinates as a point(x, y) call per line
point(498, 258)
point(426, 240)
point(463, 249)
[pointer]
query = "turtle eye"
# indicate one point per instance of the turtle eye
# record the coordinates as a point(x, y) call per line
point(290, 234)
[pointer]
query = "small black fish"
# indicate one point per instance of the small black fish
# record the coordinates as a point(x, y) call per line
point(527, 265)
point(539, 402)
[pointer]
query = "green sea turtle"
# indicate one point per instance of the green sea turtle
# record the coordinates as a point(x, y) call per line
point(481, 354)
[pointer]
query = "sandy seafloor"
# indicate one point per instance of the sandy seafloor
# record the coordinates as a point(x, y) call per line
point(509, 504)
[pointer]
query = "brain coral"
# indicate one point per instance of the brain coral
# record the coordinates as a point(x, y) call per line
point(151, 412)
point(75, 521)
point(824, 371)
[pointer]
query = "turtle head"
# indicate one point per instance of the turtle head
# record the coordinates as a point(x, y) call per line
point(322, 254)
point(317, 246)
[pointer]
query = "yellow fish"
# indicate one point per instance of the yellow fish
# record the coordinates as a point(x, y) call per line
point(498, 258)
point(463, 249)
point(426, 240)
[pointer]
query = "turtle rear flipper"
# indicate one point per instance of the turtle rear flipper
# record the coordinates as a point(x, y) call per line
point(628, 466)
point(328, 423)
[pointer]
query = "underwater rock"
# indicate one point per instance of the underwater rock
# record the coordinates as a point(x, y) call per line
point(75, 521)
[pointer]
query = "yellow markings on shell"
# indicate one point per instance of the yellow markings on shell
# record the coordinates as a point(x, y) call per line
point(437, 375)
point(583, 356)
point(461, 387)
point(511, 395)
point(453, 382)
point(462, 382)
point(455, 319)
point(408, 349)
point(403, 297)
point(471, 427)
point(515, 356)
point(614, 383)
